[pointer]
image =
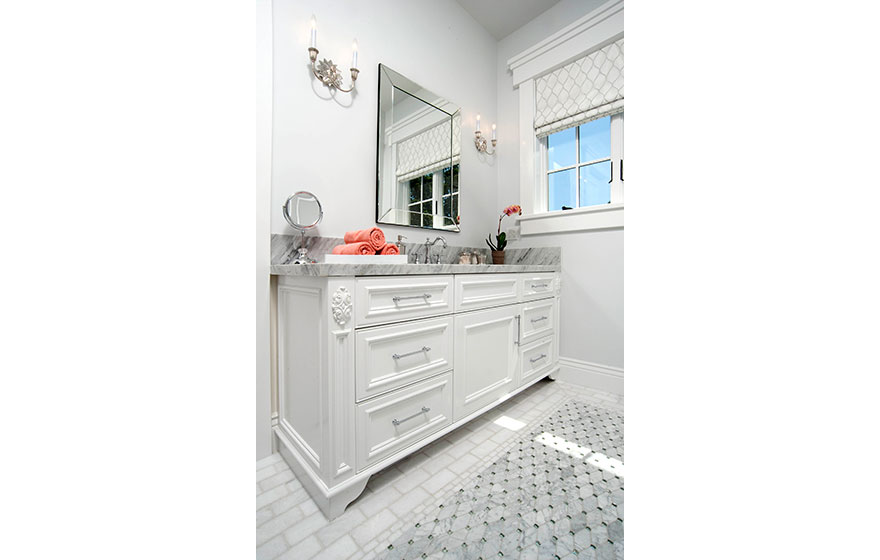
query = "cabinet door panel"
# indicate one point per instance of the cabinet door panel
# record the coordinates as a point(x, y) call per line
point(486, 357)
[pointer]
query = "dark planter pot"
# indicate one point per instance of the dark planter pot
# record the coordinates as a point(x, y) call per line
point(497, 257)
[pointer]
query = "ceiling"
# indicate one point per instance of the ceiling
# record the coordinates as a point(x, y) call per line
point(502, 17)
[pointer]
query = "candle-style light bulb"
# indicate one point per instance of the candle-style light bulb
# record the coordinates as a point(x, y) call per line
point(493, 131)
point(314, 39)
point(478, 123)
point(354, 54)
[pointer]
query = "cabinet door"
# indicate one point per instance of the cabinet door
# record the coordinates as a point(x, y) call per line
point(486, 357)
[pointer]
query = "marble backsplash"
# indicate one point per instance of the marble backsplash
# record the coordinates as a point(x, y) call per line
point(284, 250)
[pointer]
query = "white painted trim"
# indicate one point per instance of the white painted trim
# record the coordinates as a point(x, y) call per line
point(588, 374)
point(264, 313)
point(529, 190)
point(599, 27)
point(588, 218)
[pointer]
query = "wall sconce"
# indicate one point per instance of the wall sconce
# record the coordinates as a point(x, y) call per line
point(480, 141)
point(326, 70)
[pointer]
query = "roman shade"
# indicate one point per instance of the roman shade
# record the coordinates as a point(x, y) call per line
point(430, 150)
point(584, 90)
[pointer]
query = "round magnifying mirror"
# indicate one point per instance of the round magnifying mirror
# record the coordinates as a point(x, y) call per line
point(303, 211)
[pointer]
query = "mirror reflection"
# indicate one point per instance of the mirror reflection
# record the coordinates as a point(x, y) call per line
point(419, 149)
point(303, 210)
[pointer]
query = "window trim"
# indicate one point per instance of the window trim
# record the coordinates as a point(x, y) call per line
point(592, 31)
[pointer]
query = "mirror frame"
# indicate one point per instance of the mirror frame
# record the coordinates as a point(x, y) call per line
point(286, 213)
point(378, 158)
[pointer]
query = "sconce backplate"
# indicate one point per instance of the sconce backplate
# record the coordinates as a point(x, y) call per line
point(329, 74)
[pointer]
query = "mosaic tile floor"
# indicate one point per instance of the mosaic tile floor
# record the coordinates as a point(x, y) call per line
point(290, 526)
point(556, 493)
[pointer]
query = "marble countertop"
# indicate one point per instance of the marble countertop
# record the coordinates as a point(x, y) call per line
point(324, 269)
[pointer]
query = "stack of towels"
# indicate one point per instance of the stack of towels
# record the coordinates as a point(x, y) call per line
point(366, 242)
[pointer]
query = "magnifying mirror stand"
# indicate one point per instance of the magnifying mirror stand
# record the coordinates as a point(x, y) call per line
point(302, 256)
point(303, 211)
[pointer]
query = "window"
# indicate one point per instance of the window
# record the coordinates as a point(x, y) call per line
point(433, 197)
point(579, 164)
point(421, 197)
point(450, 193)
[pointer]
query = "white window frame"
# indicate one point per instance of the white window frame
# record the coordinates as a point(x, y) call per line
point(615, 157)
point(593, 31)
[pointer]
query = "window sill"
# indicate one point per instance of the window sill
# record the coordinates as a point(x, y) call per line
point(607, 216)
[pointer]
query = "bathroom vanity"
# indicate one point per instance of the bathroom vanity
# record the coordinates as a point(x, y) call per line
point(376, 361)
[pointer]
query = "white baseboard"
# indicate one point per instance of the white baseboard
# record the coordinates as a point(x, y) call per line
point(595, 376)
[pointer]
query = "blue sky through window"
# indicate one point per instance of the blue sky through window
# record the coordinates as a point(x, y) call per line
point(574, 147)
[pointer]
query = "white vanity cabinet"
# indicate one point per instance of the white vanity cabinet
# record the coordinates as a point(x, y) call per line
point(372, 368)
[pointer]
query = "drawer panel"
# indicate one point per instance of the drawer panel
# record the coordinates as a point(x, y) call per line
point(475, 291)
point(537, 285)
point(393, 356)
point(538, 319)
point(537, 358)
point(392, 422)
point(387, 299)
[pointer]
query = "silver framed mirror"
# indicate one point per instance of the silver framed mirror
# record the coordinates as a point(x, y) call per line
point(417, 155)
point(303, 211)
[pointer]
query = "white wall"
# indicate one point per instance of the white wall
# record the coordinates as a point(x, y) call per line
point(264, 174)
point(591, 319)
point(327, 144)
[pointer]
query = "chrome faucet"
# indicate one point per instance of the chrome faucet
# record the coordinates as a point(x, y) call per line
point(429, 244)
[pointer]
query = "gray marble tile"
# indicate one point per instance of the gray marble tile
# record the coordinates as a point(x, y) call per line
point(534, 255)
point(284, 249)
point(323, 269)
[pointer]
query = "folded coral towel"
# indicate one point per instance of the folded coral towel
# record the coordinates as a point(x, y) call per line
point(373, 236)
point(354, 249)
point(389, 249)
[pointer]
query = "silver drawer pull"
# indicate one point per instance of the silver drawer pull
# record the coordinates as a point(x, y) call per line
point(422, 349)
point(424, 410)
point(395, 299)
point(544, 285)
point(539, 319)
point(541, 357)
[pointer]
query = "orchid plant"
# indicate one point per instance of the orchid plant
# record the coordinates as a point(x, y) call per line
point(501, 238)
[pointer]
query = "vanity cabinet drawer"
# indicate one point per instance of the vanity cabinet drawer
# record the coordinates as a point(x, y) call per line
point(384, 300)
point(538, 319)
point(393, 356)
point(537, 358)
point(391, 422)
point(538, 285)
point(475, 291)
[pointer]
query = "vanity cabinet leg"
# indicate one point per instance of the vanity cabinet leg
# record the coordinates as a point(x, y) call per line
point(340, 500)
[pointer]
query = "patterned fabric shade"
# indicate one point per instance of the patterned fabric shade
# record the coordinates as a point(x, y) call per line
point(430, 150)
point(584, 90)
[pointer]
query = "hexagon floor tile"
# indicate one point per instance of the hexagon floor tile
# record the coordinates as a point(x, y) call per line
point(556, 493)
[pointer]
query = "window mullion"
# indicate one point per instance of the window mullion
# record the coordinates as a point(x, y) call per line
point(577, 159)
